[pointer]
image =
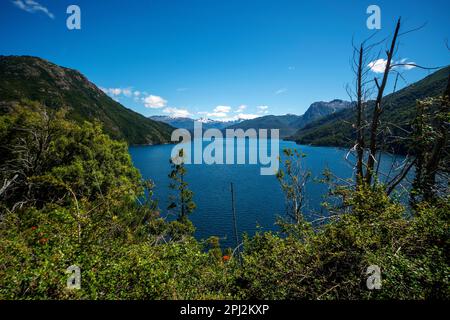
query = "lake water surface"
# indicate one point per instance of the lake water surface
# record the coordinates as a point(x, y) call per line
point(258, 199)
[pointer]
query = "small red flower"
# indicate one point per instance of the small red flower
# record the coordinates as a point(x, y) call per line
point(226, 258)
point(33, 228)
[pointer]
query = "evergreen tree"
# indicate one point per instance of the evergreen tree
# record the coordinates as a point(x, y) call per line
point(182, 202)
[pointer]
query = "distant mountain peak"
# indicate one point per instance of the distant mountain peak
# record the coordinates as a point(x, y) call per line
point(289, 124)
point(188, 123)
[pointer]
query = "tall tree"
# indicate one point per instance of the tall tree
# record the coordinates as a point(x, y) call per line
point(378, 108)
point(182, 201)
point(373, 134)
point(292, 181)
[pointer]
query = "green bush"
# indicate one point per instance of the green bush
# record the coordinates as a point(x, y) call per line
point(331, 263)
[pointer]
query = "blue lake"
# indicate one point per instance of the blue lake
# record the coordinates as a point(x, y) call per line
point(258, 198)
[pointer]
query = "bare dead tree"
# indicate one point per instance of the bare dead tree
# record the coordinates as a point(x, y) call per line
point(378, 108)
point(7, 183)
point(373, 136)
point(363, 91)
point(359, 126)
point(24, 157)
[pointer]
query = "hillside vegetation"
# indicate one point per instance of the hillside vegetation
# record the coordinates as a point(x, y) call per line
point(34, 79)
point(400, 108)
point(288, 124)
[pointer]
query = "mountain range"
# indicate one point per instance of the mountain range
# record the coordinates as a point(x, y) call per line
point(287, 124)
point(25, 78)
point(330, 123)
point(188, 123)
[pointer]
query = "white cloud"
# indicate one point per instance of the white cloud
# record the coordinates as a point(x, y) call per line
point(409, 66)
point(150, 101)
point(263, 109)
point(280, 91)
point(127, 92)
point(32, 6)
point(217, 114)
point(115, 91)
point(222, 109)
point(177, 113)
point(154, 102)
point(221, 113)
point(378, 66)
point(241, 108)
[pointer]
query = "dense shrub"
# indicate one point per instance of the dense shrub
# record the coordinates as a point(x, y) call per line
point(331, 263)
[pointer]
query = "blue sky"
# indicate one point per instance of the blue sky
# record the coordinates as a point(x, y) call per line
point(219, 58)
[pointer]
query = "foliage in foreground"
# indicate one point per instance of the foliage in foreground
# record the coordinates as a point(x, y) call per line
point(330, 261)
point(72, 197)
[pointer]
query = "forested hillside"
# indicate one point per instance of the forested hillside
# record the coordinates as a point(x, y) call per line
point(35, 79)
point(289, 124)
point(400, 108)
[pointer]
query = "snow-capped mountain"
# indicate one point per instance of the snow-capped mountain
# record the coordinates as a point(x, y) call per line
point(188, 123)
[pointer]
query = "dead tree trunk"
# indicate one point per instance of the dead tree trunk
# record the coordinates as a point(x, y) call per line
point(359, 126)
point(378, 108)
